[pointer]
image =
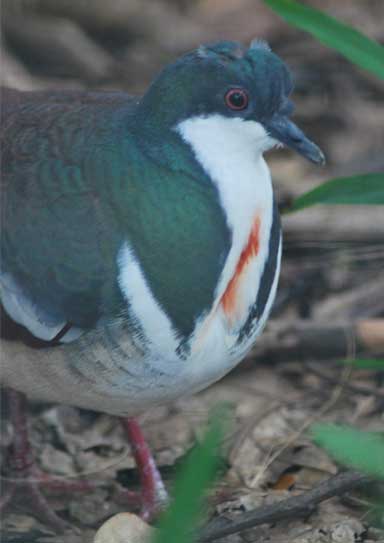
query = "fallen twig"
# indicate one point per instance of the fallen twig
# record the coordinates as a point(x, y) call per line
point(359, 389)
point(296, 506)
point(303, 339)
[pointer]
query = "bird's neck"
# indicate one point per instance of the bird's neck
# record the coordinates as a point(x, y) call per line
point(213, 170)
point(230, 153)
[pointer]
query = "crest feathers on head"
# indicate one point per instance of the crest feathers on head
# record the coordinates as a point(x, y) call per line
point(258, 43)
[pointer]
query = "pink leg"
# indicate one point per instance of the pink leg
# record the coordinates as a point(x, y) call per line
point(20, 454)
point(24, 479)
point(153, 494)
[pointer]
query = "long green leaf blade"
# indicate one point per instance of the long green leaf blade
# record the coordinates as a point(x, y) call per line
point(366, 364)
point(363, 451)
point(348, 41)
point(182, 517)
point(358, 189)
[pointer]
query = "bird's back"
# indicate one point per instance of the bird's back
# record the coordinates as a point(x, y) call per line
point(52, 226)
point(36, 128)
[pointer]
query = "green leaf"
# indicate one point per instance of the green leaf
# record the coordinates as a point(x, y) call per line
point(199, 472)
point(348, 41)
point(363, 451)
point(365, 364)
point(359, 189)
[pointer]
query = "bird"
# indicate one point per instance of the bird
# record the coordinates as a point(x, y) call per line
point(141, 241)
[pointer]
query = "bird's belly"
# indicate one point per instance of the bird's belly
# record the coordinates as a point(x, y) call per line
point(109, 370)
point(121, 377)
point(240, 312)
point(222, 344)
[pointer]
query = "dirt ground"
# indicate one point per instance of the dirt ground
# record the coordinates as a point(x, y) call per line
point(331, 294)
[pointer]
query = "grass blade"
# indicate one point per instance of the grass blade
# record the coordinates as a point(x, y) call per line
point(363, 451)
point(365, 364)
point(358, 189)
point(348, 41)
point(183, 515)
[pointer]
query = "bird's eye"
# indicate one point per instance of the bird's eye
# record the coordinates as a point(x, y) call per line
point(236, 99)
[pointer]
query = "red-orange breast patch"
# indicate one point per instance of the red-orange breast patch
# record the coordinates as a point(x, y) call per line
point(228, 299)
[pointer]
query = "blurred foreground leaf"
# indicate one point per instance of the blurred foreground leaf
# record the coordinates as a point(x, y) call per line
point(363, 451)
point(181, 519)
point(358, 189)
point(348, 41)
point(366, 364)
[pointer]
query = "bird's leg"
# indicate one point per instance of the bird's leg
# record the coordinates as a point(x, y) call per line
point(153, 493)
point(24, 479)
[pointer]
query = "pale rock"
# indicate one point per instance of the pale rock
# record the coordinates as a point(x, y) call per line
point(124, 528)
point(348, 531)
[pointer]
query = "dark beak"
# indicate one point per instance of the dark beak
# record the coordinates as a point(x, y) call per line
point(285, 131)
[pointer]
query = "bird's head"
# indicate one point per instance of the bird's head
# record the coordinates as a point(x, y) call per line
point(228, 80)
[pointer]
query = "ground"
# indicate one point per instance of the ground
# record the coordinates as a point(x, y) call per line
point(267, 452)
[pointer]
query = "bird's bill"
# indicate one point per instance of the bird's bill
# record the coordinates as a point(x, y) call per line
point(285, 131)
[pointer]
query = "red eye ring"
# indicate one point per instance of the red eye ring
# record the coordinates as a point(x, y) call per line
point(236, 99)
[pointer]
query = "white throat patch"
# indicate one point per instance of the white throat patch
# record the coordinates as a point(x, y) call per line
point(230, 151)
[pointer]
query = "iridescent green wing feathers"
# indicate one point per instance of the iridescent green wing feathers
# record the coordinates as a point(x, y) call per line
point(76, 186)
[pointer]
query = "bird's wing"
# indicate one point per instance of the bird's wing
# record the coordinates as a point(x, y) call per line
point(55, 255)
point(64, 173)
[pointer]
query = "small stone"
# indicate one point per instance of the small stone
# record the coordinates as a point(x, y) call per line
point(347, 531)
point(124, 528)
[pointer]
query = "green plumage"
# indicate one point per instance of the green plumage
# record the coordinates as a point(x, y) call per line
point(85, 173)
point(81, 177)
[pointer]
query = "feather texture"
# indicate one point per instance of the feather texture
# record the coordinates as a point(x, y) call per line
point(76, 186)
